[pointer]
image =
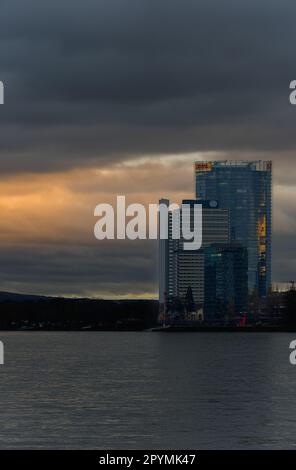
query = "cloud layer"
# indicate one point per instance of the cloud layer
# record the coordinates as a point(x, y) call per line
point(119, 97)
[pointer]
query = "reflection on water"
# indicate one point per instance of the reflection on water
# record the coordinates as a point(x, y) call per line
point(147, 390)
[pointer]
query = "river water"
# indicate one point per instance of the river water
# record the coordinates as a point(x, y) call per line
point(141, 390)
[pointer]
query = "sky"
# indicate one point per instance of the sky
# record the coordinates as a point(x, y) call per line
point(111, 97)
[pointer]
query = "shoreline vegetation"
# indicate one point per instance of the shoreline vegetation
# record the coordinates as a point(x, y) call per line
point(20, 312)
point(39, 313)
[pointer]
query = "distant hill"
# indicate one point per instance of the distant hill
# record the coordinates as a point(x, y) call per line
point(13, 297)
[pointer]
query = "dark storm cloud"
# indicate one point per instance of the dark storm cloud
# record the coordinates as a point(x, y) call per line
point(284, 262)
point(95, 81)
point(91, 83)
point(109, 268)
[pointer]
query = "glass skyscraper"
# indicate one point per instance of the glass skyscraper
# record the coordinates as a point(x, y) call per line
point(226, 281)
point(243, 187)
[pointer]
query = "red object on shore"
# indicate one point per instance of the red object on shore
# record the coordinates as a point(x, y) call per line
point(243, 320)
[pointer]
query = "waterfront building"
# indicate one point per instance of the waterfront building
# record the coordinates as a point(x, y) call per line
point(225, 281)
point(183, 269)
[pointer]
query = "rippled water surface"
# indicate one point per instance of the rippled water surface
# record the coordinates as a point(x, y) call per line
point(147, 390)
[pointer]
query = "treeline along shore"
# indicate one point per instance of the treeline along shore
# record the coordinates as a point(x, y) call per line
point(21, 312)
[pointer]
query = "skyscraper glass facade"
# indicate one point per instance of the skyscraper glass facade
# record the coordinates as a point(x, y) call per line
point(243, 187)
point(226, 281)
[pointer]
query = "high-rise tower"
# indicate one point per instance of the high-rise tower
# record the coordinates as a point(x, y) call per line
point(243, 187)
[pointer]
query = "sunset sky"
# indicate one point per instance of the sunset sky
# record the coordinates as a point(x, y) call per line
point(111, 97)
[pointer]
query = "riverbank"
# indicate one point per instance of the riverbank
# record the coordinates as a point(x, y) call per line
point(223, 329)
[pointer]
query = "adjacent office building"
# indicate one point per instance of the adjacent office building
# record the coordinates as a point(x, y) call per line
point(225, 282)
point(243, 187)
point(181, 269)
